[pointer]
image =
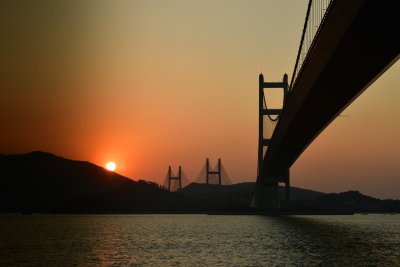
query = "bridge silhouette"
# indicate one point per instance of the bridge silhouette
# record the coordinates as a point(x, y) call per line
point(345, 46)
point(216, 175)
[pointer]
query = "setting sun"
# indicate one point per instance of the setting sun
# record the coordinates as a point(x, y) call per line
point(111, 166)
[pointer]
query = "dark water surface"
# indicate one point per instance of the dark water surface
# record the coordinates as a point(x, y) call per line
point(199, 240)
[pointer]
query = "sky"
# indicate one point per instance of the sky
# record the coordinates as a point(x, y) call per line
point(153, 83)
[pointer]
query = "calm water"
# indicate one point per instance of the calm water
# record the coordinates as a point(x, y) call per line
point(199, 240)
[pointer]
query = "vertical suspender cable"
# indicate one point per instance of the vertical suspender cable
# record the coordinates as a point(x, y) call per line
point(301, 45)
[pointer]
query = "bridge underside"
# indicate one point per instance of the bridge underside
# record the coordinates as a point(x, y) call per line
point(358, 42)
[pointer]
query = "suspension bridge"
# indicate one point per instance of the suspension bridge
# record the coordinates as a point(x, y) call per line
point(345, 46)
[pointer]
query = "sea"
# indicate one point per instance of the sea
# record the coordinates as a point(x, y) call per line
point(199, 240)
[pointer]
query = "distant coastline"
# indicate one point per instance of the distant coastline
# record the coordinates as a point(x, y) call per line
point(40, 182)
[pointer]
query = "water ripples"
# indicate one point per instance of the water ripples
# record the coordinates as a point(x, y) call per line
point(199, 240)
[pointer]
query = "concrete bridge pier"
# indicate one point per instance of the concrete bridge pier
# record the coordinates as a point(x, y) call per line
point(267, 192)
point(267, 197)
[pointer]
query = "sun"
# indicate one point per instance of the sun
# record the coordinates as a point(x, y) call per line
point(111, 166)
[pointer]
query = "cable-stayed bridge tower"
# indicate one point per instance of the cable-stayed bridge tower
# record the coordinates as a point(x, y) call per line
point(217, 172)
point(175, 181)
point(172, 178)
point(213, 176)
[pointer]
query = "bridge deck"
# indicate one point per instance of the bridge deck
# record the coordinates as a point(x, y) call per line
point(358, 42)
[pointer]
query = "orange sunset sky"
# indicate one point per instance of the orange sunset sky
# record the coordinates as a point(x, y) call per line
point(152, 83)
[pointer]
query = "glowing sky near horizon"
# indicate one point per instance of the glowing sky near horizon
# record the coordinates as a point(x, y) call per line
point(152, 83)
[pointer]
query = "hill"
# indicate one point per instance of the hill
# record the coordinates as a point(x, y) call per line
point(202, 191)
point(238, 196)
point(354, 201)
point(43, 182)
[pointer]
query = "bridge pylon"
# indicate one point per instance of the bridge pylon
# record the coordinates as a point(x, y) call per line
point(173, 178)
point(267, 187)
point(218, 172)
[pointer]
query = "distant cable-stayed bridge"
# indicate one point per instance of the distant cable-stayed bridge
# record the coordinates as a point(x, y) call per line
point(345, 46)
point(208, 175)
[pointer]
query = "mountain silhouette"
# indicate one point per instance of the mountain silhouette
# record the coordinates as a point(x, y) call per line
point(356, 202)
point(43, 182)
point(202, 191)
point(237, 197)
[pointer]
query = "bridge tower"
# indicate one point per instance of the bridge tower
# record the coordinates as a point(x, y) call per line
point(268, 184)
point(171, 178)
point(218, 172)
